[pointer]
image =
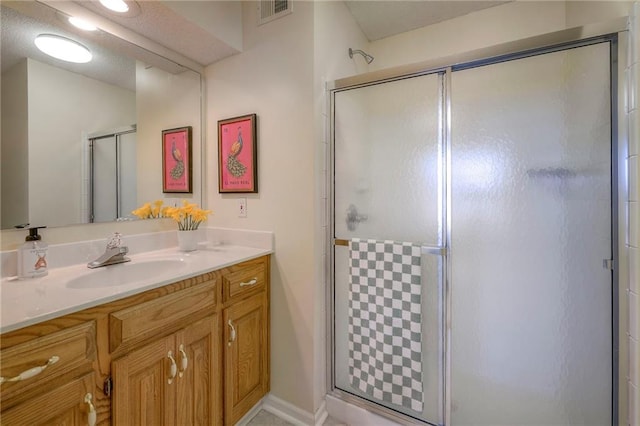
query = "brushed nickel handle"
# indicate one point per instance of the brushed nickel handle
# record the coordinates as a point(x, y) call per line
point(32, 372)
point(91, 415)
point(232, 337)
point(173, 369)
point(254, 281)
point(184, 362)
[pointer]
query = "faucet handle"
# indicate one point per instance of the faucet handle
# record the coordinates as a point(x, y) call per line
point(115, 240)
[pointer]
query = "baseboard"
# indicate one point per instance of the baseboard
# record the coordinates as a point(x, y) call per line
point(292, 414)
point(250, 414)
point(350, 414)
point(321, 414)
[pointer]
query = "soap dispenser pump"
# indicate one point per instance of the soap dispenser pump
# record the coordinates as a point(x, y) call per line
point(32, 256)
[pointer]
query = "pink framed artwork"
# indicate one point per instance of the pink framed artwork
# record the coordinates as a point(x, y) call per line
point(237, 154)
point(176, 160)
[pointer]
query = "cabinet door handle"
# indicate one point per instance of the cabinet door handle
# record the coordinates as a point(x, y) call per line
point(183, 361)
point(91, 415)
point(232, 337)
point(174, 368)
point(31, 372)
point(254, 281)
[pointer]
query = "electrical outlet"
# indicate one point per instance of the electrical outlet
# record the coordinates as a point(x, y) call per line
point(242, 207)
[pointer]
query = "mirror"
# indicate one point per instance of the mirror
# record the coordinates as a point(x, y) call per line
point(81, 143)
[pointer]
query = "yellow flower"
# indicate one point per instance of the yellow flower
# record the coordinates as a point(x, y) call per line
point(155, 211)
point(188, 217)
point(143, 212)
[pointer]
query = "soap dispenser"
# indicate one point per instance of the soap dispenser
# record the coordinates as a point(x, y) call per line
point(32, 256)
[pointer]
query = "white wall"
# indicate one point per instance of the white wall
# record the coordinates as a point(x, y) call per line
point(280, 76)
point(273, 78)
point(483, 28)
point(488, 27)
point(165, 101)
point(14, 156)
point(62, 107)
point(219, 18)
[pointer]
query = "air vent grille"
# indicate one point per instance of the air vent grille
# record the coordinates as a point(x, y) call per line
point(273, 9)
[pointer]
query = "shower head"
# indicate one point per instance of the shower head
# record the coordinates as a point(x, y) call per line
point(366, 56)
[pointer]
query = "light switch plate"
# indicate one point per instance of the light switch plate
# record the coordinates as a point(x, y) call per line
point(242, 207)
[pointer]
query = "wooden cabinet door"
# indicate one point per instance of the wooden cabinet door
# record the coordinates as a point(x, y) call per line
point(63, 405)
point(142, 394)
point(199, 397)
point(246, 356)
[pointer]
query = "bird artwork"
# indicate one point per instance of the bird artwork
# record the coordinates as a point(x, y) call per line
point(178, 170)
point(234, 166)
point(236, 147)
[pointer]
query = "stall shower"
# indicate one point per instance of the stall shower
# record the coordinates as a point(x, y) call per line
point(473, 237)
point(112, 180)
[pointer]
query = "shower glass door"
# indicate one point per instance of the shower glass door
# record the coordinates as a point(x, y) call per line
point(113, 193)
point(530, 228)
point(506, 166)
point(389, 186)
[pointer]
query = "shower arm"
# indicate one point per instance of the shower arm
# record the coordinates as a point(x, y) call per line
point(366, 56)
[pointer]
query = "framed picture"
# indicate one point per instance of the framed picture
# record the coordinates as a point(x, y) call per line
point(177, 160)
point(238, 154)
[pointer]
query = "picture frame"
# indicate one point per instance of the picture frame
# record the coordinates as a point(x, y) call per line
point(177, 160)
point(238, 155)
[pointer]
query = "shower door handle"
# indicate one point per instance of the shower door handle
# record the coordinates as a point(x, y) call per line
point(353, 218)
point(438, 251)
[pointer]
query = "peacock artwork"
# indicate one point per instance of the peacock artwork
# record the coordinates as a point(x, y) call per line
point(237, 154)
point(235, 167)
point(176, 160)
point(178, 169)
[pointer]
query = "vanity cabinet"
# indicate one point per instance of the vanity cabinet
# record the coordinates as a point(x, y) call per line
point(167, 379)
point(170, 381)
point(68, 404)
point(192, 352)
point(245, 290)
point(60, 364)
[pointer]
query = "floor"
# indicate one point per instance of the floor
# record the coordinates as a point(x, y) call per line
point(265, 418)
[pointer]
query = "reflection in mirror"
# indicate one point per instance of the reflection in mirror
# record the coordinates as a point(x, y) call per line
point(81, 143)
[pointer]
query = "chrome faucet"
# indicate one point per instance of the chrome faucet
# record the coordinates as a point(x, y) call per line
point(115, 253)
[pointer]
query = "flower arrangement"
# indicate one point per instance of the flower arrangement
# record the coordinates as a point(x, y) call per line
point(188, 217)
point(147, 211)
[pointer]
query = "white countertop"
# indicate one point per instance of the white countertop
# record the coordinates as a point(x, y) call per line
point(28, 302)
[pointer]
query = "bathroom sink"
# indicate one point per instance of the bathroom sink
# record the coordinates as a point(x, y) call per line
point(126, 273)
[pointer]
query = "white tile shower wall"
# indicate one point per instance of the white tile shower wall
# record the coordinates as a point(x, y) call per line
point(632, 212)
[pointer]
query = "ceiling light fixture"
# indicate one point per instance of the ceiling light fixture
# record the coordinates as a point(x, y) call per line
point(82, 24)
point(116, 5)
point(63, 48)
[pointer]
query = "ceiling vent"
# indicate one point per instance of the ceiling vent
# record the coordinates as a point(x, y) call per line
point(273, 9)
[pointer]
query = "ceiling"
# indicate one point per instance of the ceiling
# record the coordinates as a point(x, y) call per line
point(380, 19)
point(377, 19)
point(19, 28)
point(159, 21)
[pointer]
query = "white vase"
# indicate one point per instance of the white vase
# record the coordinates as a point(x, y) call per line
point(188, 240)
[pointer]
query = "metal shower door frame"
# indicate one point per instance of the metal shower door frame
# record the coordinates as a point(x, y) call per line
point(93, 138)
point(614, 32)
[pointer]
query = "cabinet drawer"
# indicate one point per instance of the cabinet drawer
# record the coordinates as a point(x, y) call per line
point(59, 405)
point(162, 315)
point(246, 280)
point(75, 348)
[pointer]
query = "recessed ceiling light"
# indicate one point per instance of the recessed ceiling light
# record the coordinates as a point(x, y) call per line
point(63, 48)
point(82, 24)
point(115, 5)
